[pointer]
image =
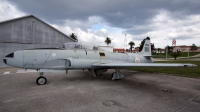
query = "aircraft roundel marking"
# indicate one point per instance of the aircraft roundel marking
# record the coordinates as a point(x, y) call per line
point(53, 54)
point(137, 60)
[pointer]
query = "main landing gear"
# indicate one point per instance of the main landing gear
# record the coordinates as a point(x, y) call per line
point(117, 75)
point(41, 80)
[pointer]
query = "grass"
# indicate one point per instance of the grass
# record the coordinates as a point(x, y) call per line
point(183, 54)
point(187, 72)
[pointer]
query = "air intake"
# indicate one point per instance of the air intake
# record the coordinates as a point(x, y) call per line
point(5, 61)
point(11, 55)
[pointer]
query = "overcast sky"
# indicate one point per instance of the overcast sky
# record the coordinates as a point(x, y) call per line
point(94, 20)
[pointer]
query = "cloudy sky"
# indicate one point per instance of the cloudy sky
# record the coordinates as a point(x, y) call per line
point(94, 20)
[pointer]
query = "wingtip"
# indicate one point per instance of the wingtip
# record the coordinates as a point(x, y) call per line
point(194, 65)
point(189, 65)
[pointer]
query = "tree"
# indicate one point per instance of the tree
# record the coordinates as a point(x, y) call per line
point(131, 43)
point(152, 47)
point(175, 54)
point(159, 50)
point(108, 41)
point(142, 44)
point(73, 36)
point(193, 47)
point(169, 49)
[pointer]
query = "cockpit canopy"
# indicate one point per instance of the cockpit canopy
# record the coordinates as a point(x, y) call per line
point(77, 45)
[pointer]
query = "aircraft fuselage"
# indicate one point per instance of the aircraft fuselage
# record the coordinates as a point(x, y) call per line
point(69, 59)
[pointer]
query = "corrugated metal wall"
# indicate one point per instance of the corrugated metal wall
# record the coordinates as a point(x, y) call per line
point(26, 33)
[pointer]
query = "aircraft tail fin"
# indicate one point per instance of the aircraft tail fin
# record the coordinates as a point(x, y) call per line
point(146, 50)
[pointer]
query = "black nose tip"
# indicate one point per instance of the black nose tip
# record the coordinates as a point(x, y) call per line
point(5, 61)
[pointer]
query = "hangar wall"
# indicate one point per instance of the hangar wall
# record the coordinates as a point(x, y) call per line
point(26, 33)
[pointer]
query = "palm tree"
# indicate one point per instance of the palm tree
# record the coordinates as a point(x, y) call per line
point(73, 36)
point(131, 43)
point(108, 41)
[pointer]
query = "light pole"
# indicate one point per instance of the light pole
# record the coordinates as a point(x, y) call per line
point(32, 31)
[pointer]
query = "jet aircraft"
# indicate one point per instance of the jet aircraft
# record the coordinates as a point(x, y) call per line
point(74, 55)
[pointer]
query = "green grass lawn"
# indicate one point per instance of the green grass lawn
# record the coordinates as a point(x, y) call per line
point(183, 54)
point(188, 72)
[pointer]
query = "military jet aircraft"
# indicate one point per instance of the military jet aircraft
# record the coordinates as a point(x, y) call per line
point(74, 55)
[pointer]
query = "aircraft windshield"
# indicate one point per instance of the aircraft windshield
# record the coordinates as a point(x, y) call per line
point(76, 45)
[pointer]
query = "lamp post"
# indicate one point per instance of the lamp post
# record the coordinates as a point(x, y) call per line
point(32, 31)
point(166, 51)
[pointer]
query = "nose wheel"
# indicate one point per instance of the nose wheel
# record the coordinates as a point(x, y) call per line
point(41, 80)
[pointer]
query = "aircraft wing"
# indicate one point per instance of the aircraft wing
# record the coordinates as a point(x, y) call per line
point(142, 65)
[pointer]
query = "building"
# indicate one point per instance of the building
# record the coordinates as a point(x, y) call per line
point(26, 33)
point(158, 50)
point(122, 50)
point(184, 48)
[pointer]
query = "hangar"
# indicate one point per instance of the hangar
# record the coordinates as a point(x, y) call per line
point(26, 33)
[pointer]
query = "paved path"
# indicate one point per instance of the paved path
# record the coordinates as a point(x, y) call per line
point(7, 71)
point(78, 91)
point(198, 55)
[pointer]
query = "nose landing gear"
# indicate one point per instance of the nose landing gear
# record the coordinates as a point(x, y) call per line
point(41, 80)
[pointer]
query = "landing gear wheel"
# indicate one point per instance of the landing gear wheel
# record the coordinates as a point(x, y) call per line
point(41, 80)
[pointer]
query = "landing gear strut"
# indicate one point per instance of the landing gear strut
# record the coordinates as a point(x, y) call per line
point(117, 74)
point(41, 80)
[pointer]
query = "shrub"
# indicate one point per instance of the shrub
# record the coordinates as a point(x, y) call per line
point(175, 54)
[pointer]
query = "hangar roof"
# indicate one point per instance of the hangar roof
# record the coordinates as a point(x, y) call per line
point(37, 19)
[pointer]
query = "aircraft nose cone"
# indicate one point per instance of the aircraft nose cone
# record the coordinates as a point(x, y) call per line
point(5, 61)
